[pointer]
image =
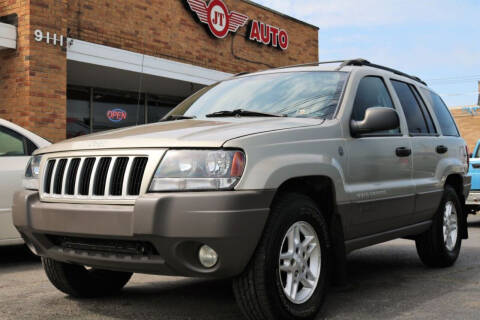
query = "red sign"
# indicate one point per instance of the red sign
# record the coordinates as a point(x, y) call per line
point(268, 35)
point(116, 115)
point(220, 21)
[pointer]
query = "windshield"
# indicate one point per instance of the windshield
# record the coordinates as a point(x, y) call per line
point(293, 94)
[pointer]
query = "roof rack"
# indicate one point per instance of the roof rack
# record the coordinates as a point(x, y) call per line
point(366, 63)
point(357, 62)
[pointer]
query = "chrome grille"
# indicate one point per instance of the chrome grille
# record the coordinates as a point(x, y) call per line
point(103, 177)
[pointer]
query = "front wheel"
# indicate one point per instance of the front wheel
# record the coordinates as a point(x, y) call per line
point(287, 277)
point(440, 245)
point(80, 282)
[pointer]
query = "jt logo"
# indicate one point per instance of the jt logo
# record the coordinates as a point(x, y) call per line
point(218, 19)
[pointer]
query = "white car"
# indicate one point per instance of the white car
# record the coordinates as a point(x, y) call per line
point(16, 146)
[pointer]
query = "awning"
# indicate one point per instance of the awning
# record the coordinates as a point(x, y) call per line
point(8, 36)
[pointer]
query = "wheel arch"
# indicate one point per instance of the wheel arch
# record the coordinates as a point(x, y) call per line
point(321, 190)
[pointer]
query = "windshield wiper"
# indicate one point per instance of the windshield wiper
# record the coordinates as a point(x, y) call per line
point(241, 113)
point(176, 117)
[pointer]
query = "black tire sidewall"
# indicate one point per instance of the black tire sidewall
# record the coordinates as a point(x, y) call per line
point(300, 208)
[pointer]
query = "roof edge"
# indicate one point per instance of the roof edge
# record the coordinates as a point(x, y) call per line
point(280, 14)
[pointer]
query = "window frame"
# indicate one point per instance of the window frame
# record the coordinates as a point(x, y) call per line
point(375, 135)
point(27, 143)
point(422, 106)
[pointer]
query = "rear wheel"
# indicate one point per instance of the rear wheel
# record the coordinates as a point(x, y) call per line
point(440, 245)
point(80, 282)
point(287, 277)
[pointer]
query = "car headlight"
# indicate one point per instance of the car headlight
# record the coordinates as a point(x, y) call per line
point(182, 170)
point(32, 173)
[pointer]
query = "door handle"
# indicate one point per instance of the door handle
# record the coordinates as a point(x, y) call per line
point(442, 149)
point(403, 152)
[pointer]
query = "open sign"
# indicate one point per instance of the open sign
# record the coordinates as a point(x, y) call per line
point(117, 115)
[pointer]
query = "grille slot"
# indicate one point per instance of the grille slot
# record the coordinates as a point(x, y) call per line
point(118, 176)
point(101, 176)
point(72, 176)
point(57, 184)
point(94, 177)
point(48, 176)
point(136, 175)
point(86, 176)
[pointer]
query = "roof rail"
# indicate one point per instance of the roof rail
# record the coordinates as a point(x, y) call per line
point(356, 62)
point(366, 63)
point(240, 74)
point(310, 64)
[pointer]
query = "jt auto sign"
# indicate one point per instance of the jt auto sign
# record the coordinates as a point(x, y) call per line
point(221, 21)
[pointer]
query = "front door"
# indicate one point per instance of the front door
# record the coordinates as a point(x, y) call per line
point(379, 178)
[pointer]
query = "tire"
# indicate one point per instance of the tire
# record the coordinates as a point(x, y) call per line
point(260, 289)
point(79, 282)
point(432, 247)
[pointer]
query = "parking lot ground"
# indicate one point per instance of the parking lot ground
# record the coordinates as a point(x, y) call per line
point(386, 281)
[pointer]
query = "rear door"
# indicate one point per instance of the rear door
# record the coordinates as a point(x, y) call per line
point(450, 144)
point(14, 155)
point(426, 150)
point(379, 178)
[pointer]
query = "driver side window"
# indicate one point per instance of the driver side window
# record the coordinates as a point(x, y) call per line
point(372, 92)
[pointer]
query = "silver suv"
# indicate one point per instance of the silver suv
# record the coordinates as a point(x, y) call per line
point(269, 178)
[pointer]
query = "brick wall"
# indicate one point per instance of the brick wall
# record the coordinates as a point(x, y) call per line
point(34, 77)
point(14, 67)
point(469, 126)
point(167, 28)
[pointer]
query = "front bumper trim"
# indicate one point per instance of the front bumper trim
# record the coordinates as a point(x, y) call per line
point(176, 225)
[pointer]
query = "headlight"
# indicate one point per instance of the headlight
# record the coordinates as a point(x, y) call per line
point(182, 170)
point(32, 173)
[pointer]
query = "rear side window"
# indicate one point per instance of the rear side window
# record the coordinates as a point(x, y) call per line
point(441, 111)
point(418, 118)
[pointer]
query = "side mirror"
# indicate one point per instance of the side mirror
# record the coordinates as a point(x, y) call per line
point(470, 155)
point(376, 119)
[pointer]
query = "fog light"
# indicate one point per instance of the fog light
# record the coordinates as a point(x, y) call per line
point(207, 256)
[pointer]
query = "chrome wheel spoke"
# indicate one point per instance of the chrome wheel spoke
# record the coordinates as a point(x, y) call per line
point(307, 283)
point(310, 250)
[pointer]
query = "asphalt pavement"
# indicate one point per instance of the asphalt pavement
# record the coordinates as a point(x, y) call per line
point(386, 281)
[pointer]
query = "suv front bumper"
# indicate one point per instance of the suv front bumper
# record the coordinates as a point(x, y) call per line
point(160, 234)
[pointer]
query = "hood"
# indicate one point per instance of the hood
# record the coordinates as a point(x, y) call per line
point(184, 133)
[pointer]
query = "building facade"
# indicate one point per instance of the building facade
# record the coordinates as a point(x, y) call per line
point(468, 121)
point(81, 66)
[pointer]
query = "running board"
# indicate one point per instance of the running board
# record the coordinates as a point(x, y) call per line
point(367, 241)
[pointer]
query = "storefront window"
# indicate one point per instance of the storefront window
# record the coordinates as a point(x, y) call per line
point(115, 109)
point(111, 109)
point(78, 111)
point(158, 107)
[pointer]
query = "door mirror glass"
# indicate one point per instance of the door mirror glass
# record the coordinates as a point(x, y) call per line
point(376, 119)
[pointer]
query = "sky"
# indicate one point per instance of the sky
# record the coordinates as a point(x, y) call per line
point(436, 40)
